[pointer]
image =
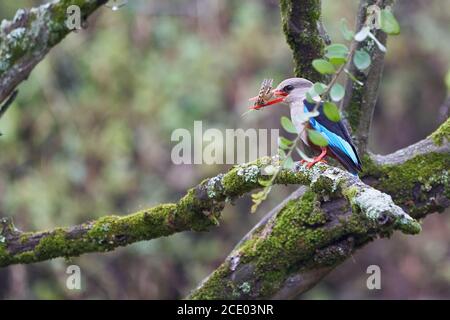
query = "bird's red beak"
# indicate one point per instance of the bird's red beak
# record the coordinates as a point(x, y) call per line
point(280, 95)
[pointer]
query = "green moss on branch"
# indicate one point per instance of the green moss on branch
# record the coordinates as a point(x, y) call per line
point(314, 233)
point(442, 134)
point(309, 237)
point(420, 185)
point(198, 210)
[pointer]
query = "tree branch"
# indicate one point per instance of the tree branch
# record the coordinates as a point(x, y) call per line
point(26, 39)
point(304, 33)
point(198, 210)
point(303, 239)
point(419, 184)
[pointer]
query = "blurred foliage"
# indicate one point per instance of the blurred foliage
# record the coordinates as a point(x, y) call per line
point(90, 132)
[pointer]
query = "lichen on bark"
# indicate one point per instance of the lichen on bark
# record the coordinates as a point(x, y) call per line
point(315, 232)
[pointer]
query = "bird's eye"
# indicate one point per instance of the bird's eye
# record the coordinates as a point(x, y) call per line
point(288, 88)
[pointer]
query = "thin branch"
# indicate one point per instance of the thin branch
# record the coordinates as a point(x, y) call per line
point(359, 102)
point(8, 103)
point(420, 148)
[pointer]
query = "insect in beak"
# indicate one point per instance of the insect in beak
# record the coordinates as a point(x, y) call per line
point(263, 99)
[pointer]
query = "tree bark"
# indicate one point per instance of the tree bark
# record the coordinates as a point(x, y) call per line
point(293, 249)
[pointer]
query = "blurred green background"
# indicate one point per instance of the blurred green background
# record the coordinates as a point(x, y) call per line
point(89, 135)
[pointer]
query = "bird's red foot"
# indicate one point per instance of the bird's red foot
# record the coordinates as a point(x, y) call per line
point(319, 158)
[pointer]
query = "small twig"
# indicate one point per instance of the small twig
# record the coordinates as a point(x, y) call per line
point(8, 103)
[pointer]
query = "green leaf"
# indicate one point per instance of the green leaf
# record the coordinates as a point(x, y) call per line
point(317, 138)
point(323, 66)
point(312, 92)
point(331, 111)
point(311, 114)
point(287, 124)
point(388, 22)
point(309, 98)
point(361, 59)
point(303, 117)
point(284, 143)
point(258, 195)
point(338, 61)
point(337, 92)
point(288, 163)
point(346, 32)
point(336, 50)
point(378, 43)
point(319, 87)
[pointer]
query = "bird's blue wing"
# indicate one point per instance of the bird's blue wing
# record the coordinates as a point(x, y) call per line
point(339, 141)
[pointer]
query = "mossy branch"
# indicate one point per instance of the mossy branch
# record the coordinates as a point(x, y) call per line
point(306, 237)
point(198, 210)
point(419, 184)
point(29, 36)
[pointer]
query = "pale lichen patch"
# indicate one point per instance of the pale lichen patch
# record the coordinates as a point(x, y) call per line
point(214, 185)
point(379, 207)
point(250, 173)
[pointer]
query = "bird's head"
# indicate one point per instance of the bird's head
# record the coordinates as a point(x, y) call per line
point(289, 90)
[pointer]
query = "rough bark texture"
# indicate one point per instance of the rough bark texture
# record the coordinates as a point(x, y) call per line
point(304, 33)
point(200, 208)
point(304, 239)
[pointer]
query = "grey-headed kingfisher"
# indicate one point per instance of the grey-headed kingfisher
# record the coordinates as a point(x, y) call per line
point(340, 145)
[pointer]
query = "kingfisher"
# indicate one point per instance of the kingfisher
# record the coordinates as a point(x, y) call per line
point(340, 146)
